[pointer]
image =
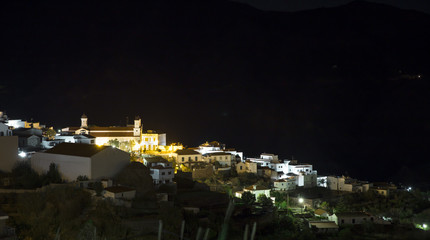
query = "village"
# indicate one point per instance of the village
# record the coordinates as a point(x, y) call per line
point(156, 190)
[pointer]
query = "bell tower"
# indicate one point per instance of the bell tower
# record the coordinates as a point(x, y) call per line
point(137, 130)
point(84, 121)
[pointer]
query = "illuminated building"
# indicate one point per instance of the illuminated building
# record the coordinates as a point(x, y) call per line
point(131, 134)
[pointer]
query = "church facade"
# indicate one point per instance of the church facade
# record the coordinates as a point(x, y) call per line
point(132, 135)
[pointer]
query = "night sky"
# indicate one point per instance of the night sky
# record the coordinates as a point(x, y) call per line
point(344, 88)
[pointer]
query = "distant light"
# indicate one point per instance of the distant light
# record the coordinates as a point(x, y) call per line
point(425, 226)
point(409, 189)
point(419, 76)
point(301, 200)
point(22, 154)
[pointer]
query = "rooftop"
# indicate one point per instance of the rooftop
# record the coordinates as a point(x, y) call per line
point(255, 187)
point(155, 159)
point(217, 154)
point(353, 214)
point(187, 152)
point(76, 149)
point(323, 224)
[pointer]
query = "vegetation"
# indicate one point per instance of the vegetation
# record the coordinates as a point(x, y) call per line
point(248, 198)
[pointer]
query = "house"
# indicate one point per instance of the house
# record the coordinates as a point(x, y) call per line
point(224, 159)
point(214, 147)
point(76, 159)
point(246, 167)
point(256, 190)
point(5, 130)
point(286, 184)
point(119, 192)
point(160, 169)
point(28, 138)
point(347, 184)
point(383, 188)
point(324, 226)
point(187, 155)
point(351, 218)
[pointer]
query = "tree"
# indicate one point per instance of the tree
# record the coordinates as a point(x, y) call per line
point(217, 165)
point(52, 176)
point(98, 187)
point(265, 201)
point(23, 176)
point(114, 143)
point(248, 198)
point(82, 178)
point(50, 133)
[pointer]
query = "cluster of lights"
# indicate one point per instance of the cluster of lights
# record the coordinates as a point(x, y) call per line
point(409, 189)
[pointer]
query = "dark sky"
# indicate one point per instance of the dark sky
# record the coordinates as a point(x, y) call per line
point(297, 5)
point(343, 88)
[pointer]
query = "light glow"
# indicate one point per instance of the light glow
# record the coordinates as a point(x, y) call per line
point(22, 154)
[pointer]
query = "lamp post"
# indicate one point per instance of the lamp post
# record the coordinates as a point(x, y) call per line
point(301, 202)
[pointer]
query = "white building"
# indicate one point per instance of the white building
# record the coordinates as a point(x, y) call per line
point(214, 147)
point(74, 159)
point(256, 190)
point(149, 140)
point(4, 130)
point(351, 218)
point(161, 170)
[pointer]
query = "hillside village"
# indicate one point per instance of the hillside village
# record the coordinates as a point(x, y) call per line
point(165, 189)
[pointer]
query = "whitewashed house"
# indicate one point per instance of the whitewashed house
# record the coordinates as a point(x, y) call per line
point(76, 159)
point(161, 170)
point(351, 218)
point(256, 190)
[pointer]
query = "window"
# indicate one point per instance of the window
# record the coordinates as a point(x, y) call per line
point(170, 173)
point(196, 158)
point(353, 221)
point(189, 159)
point(183, 159)
point(163, 173)
point(371, 219)
point(240, 167)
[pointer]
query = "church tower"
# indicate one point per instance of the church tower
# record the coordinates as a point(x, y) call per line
point(84, 121)
point(137, 130)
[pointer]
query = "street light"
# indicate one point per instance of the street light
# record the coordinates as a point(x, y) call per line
point(301, 202)
point(425, 226)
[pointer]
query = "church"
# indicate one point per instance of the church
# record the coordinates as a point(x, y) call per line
point(132, 134)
